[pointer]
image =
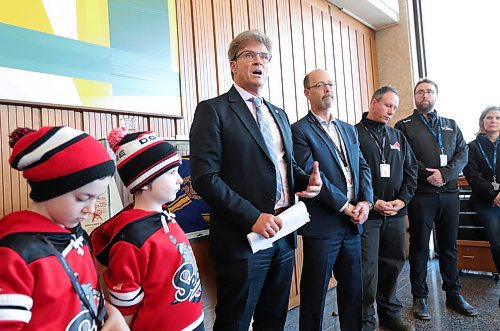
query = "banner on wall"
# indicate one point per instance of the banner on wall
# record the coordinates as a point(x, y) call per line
point(191, 211)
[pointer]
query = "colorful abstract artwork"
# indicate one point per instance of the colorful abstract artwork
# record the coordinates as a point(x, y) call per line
point(108, 54)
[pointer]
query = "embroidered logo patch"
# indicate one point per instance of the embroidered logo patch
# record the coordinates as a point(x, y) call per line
point(396, 145)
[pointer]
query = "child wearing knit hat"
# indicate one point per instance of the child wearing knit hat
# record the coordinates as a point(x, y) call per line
point(48, 279)
point(151, 274)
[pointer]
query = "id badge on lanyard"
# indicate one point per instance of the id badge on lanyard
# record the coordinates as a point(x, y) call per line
point(443, 160)
point(385, 170)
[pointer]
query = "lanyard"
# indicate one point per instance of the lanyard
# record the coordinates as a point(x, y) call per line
point(339, 151)
point(439, 131)
point(493, 163)
point(381, 149)
point(98, 313)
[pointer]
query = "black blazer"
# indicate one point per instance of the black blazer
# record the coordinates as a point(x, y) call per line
point(311, 144)
point(232, 171)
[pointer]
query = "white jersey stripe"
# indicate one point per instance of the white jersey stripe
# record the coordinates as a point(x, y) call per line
point(126, 299)
point(15, 315)
point(19, 300)
point(195, 324)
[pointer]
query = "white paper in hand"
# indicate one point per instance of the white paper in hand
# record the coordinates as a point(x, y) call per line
point(292, 218)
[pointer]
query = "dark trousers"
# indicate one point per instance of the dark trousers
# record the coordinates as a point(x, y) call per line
point(490, 217)
point(425, 211)
point(383, 256)
point(342, 254)
point(258, 286)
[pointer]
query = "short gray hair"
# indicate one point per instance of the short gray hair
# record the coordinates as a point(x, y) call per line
point(238, 42)
point(379, 93)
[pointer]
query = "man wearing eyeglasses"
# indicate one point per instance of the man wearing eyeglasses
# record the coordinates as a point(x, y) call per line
point(331, 240)
point(242, 164)
point(442, 153)
point(394, 180)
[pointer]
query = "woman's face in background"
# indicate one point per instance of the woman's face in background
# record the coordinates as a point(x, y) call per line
point(491, 122)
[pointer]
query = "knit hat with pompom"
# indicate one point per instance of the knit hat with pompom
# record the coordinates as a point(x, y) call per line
point(58, 160)
point(141, 157)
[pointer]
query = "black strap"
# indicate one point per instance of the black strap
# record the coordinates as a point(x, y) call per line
point(340, 151)
point(100, 315)
point(381, 149)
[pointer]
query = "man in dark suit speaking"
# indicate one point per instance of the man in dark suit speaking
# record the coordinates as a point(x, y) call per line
point(332, 238)
point(242, 164)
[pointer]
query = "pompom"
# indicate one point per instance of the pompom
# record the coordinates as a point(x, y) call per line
point(18, 134)
point(115, 136)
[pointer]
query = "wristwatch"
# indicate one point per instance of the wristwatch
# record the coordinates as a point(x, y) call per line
point(370, 205)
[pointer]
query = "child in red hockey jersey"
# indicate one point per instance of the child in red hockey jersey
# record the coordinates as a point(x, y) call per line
point(48, 279)
point(152, 275)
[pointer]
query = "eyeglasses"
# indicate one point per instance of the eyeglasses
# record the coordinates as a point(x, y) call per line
point(321, 85)
point(422, 92)
point(251, 56)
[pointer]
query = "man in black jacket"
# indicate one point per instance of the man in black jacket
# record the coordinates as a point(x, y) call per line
point(242, 164)
point(441, 151)
point(394, 180)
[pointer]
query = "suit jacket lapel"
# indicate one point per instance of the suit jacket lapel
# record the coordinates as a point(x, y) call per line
point(240, 108)
point(322, 134)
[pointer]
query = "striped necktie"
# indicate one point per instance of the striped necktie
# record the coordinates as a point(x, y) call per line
point(265, 129)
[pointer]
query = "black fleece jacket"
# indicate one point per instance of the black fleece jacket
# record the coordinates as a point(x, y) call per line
point(426, 149)
point(398, 154)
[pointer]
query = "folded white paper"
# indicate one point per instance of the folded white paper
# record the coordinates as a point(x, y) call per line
point(292, 218)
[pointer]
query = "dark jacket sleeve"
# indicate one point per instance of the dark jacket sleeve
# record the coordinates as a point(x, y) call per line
point(410, 171)
point(458, 160)
point(206, 159)
point(330, 195)
point(300, 176)
point(365, 177)
point(477, 180)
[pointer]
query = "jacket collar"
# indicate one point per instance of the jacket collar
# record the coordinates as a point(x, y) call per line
point(240, 108)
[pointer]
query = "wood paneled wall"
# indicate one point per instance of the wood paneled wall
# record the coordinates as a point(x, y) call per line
point(306, 34)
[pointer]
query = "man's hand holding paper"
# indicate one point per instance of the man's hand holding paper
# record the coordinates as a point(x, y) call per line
point(287, 222)
point(267, 225)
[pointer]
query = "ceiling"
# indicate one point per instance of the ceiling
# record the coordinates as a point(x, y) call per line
point(376, 14)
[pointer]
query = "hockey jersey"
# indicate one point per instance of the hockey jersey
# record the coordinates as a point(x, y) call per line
point(35, 290)
point(152, 273)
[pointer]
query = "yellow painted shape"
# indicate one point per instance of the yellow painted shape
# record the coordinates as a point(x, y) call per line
point(28, 14)
point(174, 43)
point(91, 89)
point(93, 21)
